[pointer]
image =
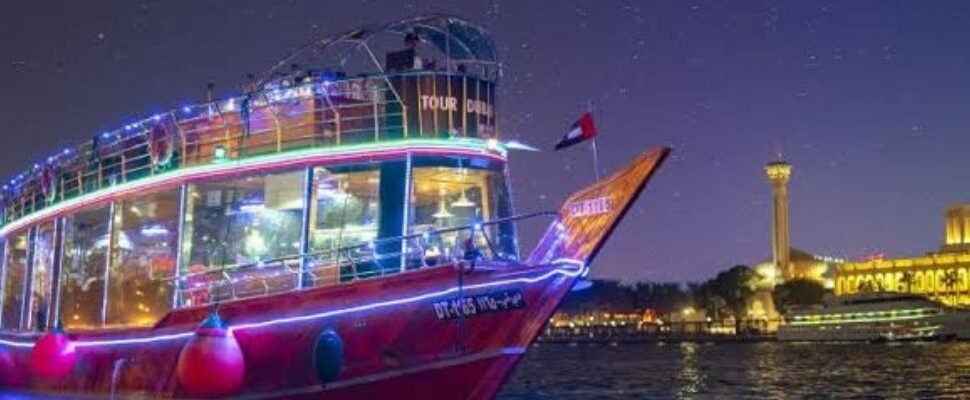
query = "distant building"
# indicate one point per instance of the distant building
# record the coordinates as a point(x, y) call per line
point(787, 262)
point(943, 275)
point(803, 265)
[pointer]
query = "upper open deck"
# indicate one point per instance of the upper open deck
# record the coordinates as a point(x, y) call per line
point(303, 105)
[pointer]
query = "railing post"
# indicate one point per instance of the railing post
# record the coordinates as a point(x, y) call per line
point(56, 284)
point(406, 210)
point(25, 306)
point(336, 116)
point(417, 107)
point(179, 246)
point(377, 125)
point(124, 169)
point(108, 253)
point(304, 278)
point(464, 102)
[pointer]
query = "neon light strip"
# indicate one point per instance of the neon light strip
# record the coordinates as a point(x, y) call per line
point(347, 153)
point(865, 314)
point(454, 289)
point(576, 268)
point(144, 340)
point(863, 320)
point(16, 344)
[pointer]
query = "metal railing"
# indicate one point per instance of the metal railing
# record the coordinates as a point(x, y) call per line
point(316, 113)
point(487, 241)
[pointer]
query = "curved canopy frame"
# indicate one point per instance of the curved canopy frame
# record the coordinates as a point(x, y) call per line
point(460, 41)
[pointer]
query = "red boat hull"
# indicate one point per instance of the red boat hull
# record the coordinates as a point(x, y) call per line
point(393, 336)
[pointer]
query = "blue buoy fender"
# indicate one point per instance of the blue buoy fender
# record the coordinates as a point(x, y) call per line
point(328, 354)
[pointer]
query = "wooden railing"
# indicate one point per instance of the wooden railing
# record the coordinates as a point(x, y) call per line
point(317, 113)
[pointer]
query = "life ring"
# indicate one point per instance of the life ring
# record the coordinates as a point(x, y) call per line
point(48, 183)
point(161, 146)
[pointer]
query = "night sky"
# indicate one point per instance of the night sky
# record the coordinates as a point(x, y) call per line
point(869, 100)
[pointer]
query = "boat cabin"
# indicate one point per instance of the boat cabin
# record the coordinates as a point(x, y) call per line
point(323, 171)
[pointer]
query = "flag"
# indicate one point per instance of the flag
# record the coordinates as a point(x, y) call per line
point(583, 129)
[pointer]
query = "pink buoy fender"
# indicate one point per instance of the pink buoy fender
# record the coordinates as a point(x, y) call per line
point(53, 356)
point(211, 363)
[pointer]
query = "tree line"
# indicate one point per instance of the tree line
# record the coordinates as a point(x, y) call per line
point(726, 294)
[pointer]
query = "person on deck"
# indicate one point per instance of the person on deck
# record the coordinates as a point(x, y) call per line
point(411, 44)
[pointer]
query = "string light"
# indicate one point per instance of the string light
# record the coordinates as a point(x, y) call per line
point(348, 153)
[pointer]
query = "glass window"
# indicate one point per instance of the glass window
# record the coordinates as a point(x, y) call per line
point(346, 210)
point(250, 222)
point(454, 196)
point(42, 276)
point(15, 277)
point(446, 197)
point(83, 268)
point(143, 259)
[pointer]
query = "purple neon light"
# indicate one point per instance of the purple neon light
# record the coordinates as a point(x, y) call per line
point(579, 269)
point(558, 271)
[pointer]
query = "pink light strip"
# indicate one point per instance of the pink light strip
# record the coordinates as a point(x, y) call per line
point(575, 269)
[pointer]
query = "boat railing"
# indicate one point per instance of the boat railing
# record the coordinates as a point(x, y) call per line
point(491, 241)
point(313, 114)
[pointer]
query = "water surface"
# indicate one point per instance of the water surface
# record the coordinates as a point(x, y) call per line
point(765, 370)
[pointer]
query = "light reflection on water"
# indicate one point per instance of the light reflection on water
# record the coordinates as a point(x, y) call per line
point(743, 371)
point(736, 371)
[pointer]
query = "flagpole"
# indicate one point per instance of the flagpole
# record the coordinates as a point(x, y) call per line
point(596, 161)
point(596, 155)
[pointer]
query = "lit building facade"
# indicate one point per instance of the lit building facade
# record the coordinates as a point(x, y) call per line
point(943, 275)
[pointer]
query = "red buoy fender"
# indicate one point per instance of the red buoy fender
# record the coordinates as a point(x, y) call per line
point(53, 356)
point(211, 363)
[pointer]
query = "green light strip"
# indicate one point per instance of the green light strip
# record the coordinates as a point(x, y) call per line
point(483, 147)
point(829, 319)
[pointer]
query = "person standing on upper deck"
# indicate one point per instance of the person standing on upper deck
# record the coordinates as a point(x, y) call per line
point(411, 45)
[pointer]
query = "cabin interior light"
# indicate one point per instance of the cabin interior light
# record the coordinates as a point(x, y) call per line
point(463, 201)
point(219, 154)
point(442, 212)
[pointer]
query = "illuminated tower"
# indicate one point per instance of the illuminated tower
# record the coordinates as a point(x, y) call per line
point(957, 239)
point(779, 173)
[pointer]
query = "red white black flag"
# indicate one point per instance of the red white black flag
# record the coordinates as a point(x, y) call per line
point(583, 129)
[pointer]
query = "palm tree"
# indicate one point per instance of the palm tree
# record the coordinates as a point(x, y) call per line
point(717, 304)
point(906, 281)
point(950, 279)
